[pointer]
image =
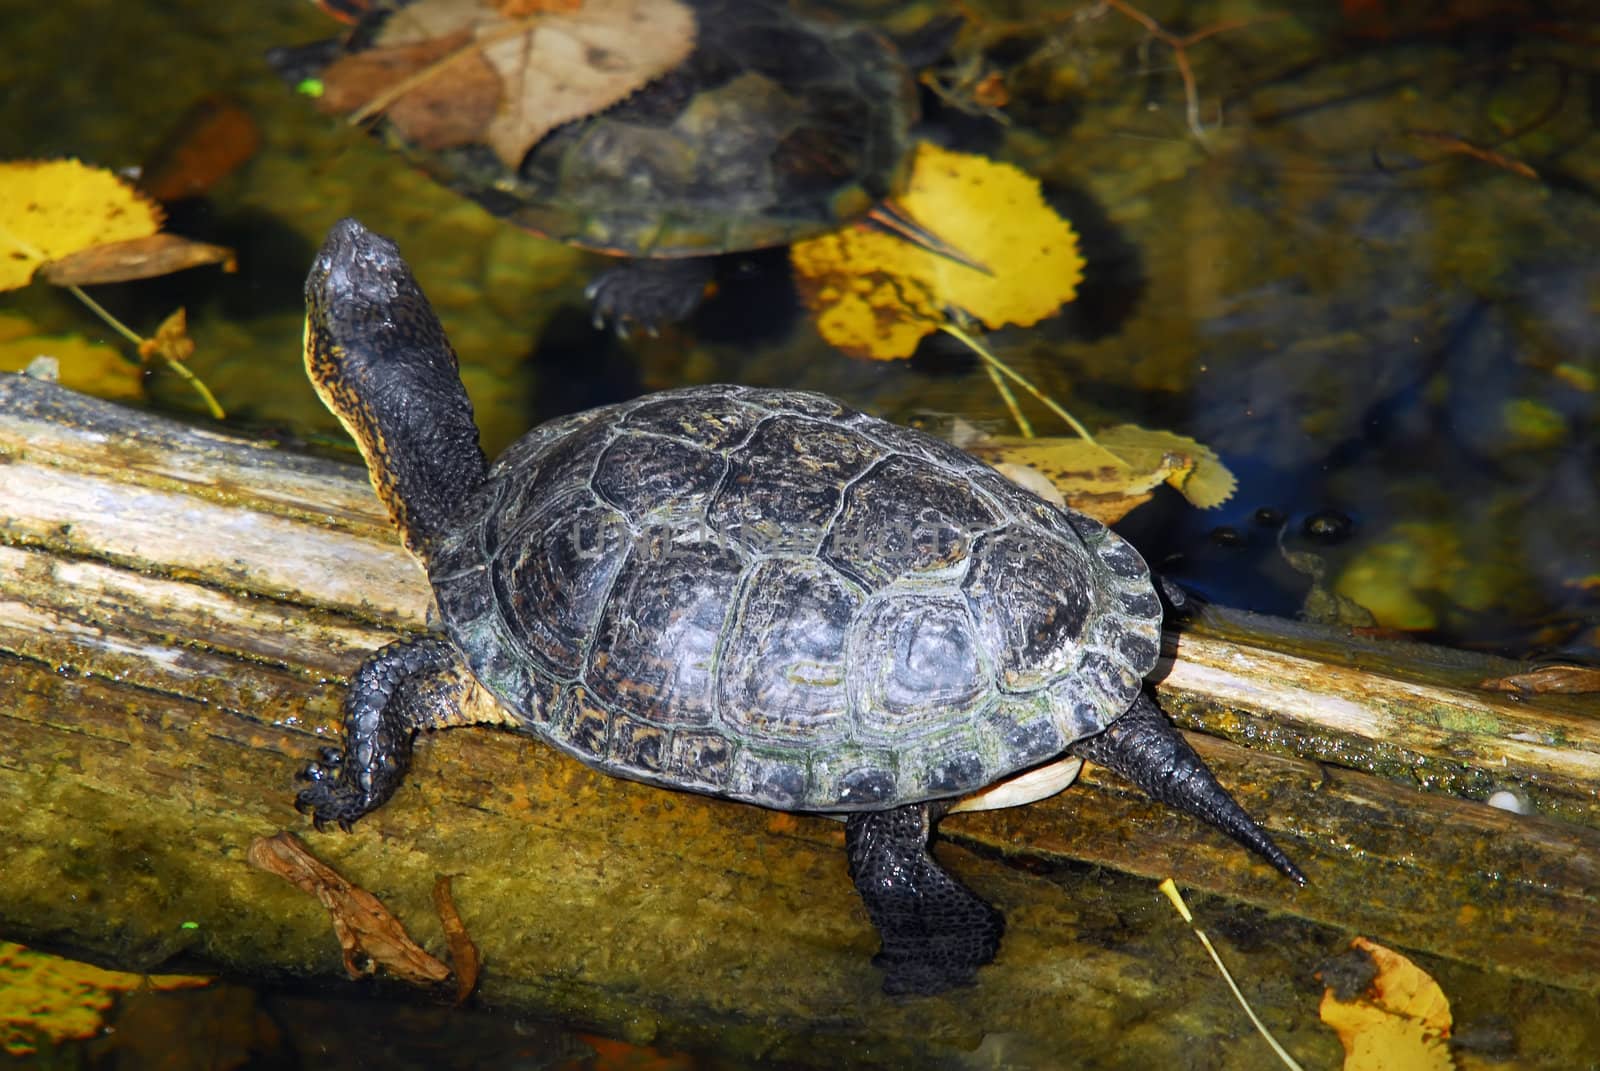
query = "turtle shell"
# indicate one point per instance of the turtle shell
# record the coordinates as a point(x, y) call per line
point(777, 127)
point(769, 596)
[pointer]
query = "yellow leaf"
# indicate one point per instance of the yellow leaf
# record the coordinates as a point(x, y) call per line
point(89, 367)
point(1196, 470)
point(1090, 478)
point(46, 998)
point(1399, 1023)
point(50, 208)
point(875, 294)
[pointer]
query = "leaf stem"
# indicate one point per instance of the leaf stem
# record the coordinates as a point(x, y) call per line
point(995, 364)
point(212, 405)
point(100, 310)
point(1010, 399)
point(1169, 889)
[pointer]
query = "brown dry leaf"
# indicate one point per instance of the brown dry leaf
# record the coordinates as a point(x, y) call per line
point(463, 953)
point(136, 258)
point(1197, 472)
point(450, 93)
point(171, 342)
point(549, 67)
point(1399, 1023)
point(51, 208)
point(211, 140)
point(363, 925)
point(1090, 478)
point(1562, 680)
point(874, 294)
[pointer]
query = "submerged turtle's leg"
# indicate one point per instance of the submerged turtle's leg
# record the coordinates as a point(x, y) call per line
point(936, 932)
point(1147, 749)
point(406, 686)
point(649, 293)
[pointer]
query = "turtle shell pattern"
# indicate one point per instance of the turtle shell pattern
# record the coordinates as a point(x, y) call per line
point(777, 127)
point(766, 595)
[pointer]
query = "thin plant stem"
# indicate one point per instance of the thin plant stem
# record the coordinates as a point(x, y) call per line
point(1010, 399)
point(1016, 377)
point(212, 405)
point(100, 310)
point(1169, 888)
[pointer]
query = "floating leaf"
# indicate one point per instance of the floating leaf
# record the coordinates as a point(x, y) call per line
point(1565, 680)
point(136, 258)
point(88, 367)
point(363, 925)
point(210, 141)
point(438, 93)
point(1111, 474)
point(50, 208)
point(1198, 473)
point(1400, 1020)
point(451, 72)
point(48, 999)
point(875, 295)
point(1092, 479)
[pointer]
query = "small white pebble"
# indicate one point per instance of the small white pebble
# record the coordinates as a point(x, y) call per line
point(1507, 800)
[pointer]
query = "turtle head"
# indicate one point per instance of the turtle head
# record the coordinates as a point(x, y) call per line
point(379, 360)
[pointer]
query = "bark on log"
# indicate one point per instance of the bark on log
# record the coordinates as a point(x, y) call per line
point(177, 608)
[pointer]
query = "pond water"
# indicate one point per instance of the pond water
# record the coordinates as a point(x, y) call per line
point(1359, 259)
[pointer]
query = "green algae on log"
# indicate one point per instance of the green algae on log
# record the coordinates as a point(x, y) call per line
point(177, 608)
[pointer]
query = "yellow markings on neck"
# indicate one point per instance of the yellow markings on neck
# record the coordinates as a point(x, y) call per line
point(324, 367)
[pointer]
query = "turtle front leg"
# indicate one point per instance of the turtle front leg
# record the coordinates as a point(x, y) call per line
point(409, 685)
point(936, 932)
point(649, 293)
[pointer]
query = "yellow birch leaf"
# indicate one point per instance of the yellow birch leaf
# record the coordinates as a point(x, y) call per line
point(50, 208)
point(875, 295)
point(45, 998)
point(1090, 478)
point(1198, 473)
point(1400, 1022)
point(87, 367)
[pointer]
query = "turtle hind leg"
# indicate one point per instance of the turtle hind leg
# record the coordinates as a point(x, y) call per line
point(649, 294)
point(1147, 749)
point(936, 932)
point(409, 685)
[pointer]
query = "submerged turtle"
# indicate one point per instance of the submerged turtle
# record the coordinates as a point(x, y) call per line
point(777, 127)
point(757, 594)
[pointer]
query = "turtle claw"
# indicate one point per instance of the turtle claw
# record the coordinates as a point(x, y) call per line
point(328, 801)
point(329, 798)
point(648, 294)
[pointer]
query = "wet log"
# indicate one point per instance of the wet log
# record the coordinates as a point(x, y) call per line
point(178, 607)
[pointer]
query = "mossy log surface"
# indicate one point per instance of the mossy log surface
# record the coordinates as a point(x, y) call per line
point(178, 609)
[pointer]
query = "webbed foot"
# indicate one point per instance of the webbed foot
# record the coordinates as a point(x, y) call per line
point(330, 797)
point(648, 294)
point(936, 932)
point(409, 685)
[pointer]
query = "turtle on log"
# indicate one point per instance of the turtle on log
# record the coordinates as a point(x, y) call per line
point(751, 593)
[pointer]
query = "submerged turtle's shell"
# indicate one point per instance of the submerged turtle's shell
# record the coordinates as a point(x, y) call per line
point(777, 127)
point(765, 595)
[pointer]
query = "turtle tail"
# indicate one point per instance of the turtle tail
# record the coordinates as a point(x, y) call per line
point(378, 358)
point(1145, 748)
